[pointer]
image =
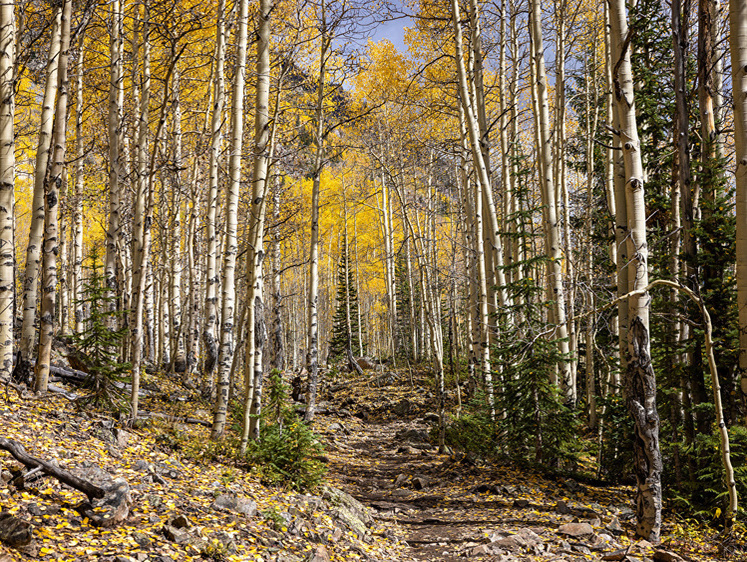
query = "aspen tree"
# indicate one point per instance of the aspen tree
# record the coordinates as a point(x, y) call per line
point(738, 46)
point(77, 211)
point(231, 245)
point(547, 188)
point(36, 231)
point(116, 102)
point(640, 380)
point(216, 142)
point(52, 183)
point(253, 368)
point(312, 359)
point(7, 185)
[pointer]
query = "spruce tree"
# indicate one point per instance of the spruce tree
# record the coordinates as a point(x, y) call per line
point(345, 321)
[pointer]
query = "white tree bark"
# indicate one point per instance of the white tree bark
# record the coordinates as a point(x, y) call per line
point(52, 183)
point(7, 185)
point(36, 232)
point(231, 246)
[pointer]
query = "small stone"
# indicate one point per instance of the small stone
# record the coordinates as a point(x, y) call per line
point(142, 540)
point(402, 408)
point(319, 554)
point(15, 532)
point(521, 504)
point(179, 536)
point(400, 480)
point(420, 482)
point(662, 555)
point(227, 502)
point(614, 526)
point(511, 543)
point(121, 558)
point(562, 507)
point(482, 550)
point(431, 417)
point(576, 529)
point(180, 522)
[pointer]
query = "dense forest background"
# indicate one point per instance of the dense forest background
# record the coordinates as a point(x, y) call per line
point(546, 206)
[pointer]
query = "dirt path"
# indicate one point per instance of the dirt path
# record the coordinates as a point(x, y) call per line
point(451, 508)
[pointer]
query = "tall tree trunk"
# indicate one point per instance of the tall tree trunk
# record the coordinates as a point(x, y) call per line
point(552, 226)
point(253, 369)
point(52, 183)
point(36, 232)
point(231, 246)
point(216, 142)
point(312, 360)
point(116, 100)
point(640, 381)
point(77, 227)
point(7, 185)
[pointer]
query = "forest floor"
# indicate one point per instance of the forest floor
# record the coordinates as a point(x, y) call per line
point(419, 505)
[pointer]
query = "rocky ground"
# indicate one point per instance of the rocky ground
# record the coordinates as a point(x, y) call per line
point(390, 496)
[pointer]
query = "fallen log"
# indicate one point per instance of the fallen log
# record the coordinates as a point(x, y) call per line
point(174, 419)
point(20, 454)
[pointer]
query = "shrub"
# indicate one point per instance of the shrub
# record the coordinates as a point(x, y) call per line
point(288, 453)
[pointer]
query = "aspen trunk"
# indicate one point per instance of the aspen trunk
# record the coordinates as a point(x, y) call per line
point(738, 45)
point(278, 350)
point(640, 380)
point(52, 183)
point(77, 210)
point(312, 360)
point(216, 142)
point(178, 359)
point(7, 185)
point(36, 232)
point(116, 99)
point(253, 369)
point(552, 226)
point(231, 246)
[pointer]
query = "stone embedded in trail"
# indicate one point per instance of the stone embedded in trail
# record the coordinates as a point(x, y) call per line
point(614, 526)
point(113, 508)
point(228, 502)
point(413, 435)
point(562, 507)
point(319, 554)
point(403, 407)
point(576, 529)
point(400, 481)
point(15, 532)
point(420, 482)
point(662, 555)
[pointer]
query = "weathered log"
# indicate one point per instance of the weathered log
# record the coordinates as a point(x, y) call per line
point(20, 454)
point(175, 419)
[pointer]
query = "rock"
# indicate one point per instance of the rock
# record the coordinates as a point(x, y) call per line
point(420, 482)
point(482, 550)
point(5, 476)
point(121, 558)
point(180, 522)
point(521, 504)
point(576, 530)
point(408, 450)
point(338, 428)
point(573, 486)
point(120, 437)
point(614, 526)
point(413, 435)
point(113, 508)
point(351, 520)
point(15, 532)
point(228, 502)
point(339, 498)
point(178, 536)
point(402, 408)
point(531, 538)
point(616, 555)
point(662, 555)
point(319, 554)
point(562, 507)
point(511, 543)
point(400, 481)
point(366, 363)
point(142, 540)
point(226, 542)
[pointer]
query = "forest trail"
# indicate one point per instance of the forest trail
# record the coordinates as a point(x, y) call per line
point(455, 507)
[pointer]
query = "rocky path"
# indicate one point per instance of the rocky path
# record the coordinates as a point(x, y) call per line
point(452, 507)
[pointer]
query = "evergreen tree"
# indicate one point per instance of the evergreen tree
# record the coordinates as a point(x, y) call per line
point(98, 344)
point(345, 325)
